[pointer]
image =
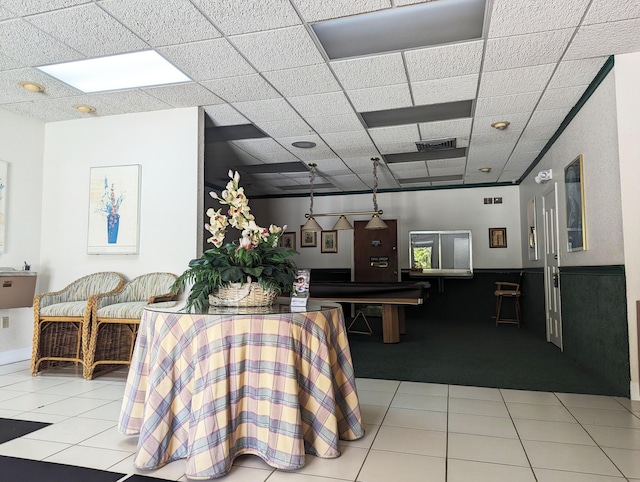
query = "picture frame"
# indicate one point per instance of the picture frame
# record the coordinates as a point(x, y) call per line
point(532, 234)
point(308, 239)
point(288, 240)
point(329, 241)
point(497, 237)
point(574, 195)
point(114, 209)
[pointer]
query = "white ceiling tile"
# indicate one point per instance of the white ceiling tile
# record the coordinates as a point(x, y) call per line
point(515, 18)
point(225, 115)
point(242, 88)
point(284, 128)
point(335, 123)
point(29, 45)
point(522, 158)
point(40, 110)
point(312, 79)
point(184, 95)
point(565, 97)
point(516, 81)
point(551, 117)
point(446, 171)
point(332, 166)
point(492, 138)
point(452, 89)
point(88, 29)
point(576, 72)
point(406, 133)
point(410, 170)
point(349, 182)
point(539, 133)
point(172, 22)
point(396, 147)
point(266, 110)
point(313, 10)
point(124, 101)
point(29, 7)
point(417, 168)
point(447, 61)
point(11, 90)
point(7, 63)
point(279, 49)
point(455, 163)
point(506, 104)
point(206, 60)
point(510, 175)
point(448, 128)
point(491, 154)
point(529, 146)
point(372, 71)
point(381, 98)
point(320, 151)
point(526, 50)
point(318, 105)
point(605, 39)
point(601, 11)
point(349, 139)
point(365, 150)
point(243, 16)
point(267, 149)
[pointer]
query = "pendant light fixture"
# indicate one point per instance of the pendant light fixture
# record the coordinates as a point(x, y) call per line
point(376, 221)
point(311, 224)
point(343, 223)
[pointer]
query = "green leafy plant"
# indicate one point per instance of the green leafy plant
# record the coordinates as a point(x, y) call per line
point(256, 256)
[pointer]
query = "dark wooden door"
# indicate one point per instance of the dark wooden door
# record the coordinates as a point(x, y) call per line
point(376, 252)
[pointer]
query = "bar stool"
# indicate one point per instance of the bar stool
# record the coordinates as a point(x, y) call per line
point(509, 290)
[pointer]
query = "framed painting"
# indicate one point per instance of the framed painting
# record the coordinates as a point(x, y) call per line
point(288, 240)
point(574, 193)
point(329, 241)
point(497, 237)
point(3, 196)
point(308, 239)
point(532, 230)
point(114, 210)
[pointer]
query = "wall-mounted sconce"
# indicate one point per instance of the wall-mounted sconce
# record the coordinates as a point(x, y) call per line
point(544, 176)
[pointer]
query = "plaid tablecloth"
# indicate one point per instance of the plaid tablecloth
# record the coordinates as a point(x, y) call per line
point(211, 387)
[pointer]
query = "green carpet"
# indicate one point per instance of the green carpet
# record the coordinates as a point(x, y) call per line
point(473, 354)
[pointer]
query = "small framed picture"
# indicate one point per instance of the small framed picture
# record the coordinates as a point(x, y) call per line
point(497, 237)
point(329, 241)
point(308, 239)
point(288, 240)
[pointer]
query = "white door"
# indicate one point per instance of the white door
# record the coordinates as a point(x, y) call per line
point(551, 264)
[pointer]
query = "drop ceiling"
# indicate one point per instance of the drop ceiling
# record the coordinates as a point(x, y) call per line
point(272, 72)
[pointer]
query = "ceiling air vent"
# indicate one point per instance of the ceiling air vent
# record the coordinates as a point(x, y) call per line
point(436, 145)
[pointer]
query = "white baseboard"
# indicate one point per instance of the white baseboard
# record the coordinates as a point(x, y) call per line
point(12, 356)
point(635, 390)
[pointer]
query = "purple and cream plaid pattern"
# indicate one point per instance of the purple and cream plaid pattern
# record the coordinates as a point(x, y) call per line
point(209, 388)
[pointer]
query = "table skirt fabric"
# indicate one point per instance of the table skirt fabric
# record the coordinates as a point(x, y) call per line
point(209, 388)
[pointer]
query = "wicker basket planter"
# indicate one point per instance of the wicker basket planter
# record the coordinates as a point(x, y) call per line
point(243, 294)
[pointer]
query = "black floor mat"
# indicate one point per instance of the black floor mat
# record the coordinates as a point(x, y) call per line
point(11, 428)
point(22, 470)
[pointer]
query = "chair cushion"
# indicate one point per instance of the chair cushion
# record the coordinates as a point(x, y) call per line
point(70, 308)
point(130, 310)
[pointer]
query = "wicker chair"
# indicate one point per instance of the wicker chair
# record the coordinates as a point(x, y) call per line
point(62, 320)
point(116, 318)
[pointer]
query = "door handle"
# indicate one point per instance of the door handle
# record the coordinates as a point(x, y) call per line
point(555, 280)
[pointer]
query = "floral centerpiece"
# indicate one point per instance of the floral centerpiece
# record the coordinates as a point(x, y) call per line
point(255, 259)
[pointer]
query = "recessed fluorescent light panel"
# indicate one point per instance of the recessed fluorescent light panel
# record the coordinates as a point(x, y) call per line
point(116, 72)
point(432, 23)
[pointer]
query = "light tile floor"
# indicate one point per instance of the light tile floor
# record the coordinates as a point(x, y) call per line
point(414, 432)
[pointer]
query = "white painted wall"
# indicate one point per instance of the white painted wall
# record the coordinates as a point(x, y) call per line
point(591, 133)
point(627, 80)
point(21, 147)
point(414, 210)
point(165, 143)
